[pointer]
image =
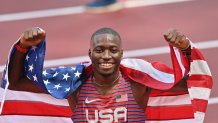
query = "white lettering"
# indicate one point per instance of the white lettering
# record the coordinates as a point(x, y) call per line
point(107, 115)
point(96, 116)
point(123, 114)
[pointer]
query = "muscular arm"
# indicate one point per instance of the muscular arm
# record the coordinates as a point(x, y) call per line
point(17, 79)
point(179, 40)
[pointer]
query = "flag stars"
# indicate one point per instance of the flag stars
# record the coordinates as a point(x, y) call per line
point(56, 73)
point(57, 86)
point(66, 76)
point(46, 82)
point(44, 73)
point(27, 57)
point(67, 89)
point(35, 78)
point(31, 68)
point(77, 74)
point(49, 91)
point(73, 68)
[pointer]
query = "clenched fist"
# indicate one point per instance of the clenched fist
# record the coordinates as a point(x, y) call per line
point(177, 39)
point(32, 37)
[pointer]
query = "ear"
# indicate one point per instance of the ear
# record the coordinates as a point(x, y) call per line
point(90, 53)
point(121, 52)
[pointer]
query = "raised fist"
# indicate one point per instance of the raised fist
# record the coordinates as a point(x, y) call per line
point(177, 39)
point(32, 37)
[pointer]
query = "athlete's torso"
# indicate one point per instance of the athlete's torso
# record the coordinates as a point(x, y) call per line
point(119, 106)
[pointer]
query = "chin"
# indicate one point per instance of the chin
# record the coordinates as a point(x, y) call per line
point(106, 73)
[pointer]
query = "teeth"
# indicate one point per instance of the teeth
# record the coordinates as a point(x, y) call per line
point(106, 64)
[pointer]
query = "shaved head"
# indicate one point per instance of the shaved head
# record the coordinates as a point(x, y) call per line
point(105, 30)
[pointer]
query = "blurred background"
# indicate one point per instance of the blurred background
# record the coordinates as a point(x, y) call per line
point(141, 24)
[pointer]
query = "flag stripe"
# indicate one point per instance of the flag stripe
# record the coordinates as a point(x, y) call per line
point(35, 108)
point(147, 68)
point(203, 81)
point(173, 121)
point(143, 78)
point(33, 119)
point(196, 54)
point(42, 109)
point(199, 117)
point(170, 112)
point(38, 97)
point(201, 105)
point(179, 60)
point(169, 100)
point(200, 67)
point(46, 119)
point(199, 93)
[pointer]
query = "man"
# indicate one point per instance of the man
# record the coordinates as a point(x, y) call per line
point(107, 90)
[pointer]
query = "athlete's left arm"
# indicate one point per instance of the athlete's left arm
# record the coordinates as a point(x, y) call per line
point(179, 40)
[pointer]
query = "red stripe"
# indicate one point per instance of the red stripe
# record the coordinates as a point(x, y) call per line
point(200, 105)
point(157, 93)
point(43, 109)
point(170, 112)
point(162, 67)
point(145, 79)
point(176, 67)
point(35, 108)
point(196, 54)
point(200, 81)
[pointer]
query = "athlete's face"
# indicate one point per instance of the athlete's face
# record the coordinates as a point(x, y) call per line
point(105, 53)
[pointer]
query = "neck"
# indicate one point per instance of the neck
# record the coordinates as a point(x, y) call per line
point(106, 81)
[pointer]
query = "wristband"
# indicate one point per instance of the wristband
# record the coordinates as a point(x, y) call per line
point(21, 49)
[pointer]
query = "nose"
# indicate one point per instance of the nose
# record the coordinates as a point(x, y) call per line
point(106, 55)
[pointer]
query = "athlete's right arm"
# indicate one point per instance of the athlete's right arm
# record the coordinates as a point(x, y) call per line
point(17, 79)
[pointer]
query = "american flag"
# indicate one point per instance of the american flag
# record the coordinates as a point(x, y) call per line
point(121, 97)
point(163, 106)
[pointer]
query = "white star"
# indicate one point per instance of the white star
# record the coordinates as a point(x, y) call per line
point(46, 82)
point(27, 57)
point(49, 91)
point(57, 86)
point(77, 74)
point(30, 68)
point(44, 73)
point(67, 89)
point(66, 76)
point(73, 68)
point(35, 78)
point(56, 73)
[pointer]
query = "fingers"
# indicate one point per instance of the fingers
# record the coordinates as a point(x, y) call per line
point(33, 34)
point(176, 38)
point(173, 36)
point(170, 35)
